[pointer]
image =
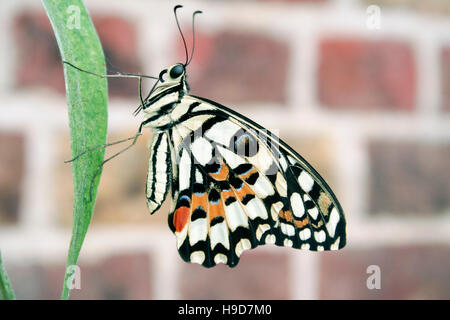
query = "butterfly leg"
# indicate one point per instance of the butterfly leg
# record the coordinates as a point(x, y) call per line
point(118, 75)
point(102, 146)
point(134, 138)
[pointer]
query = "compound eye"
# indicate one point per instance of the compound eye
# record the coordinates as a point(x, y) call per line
point(176, 71)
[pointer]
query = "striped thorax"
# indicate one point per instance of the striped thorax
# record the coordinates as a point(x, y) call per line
point(160, 105)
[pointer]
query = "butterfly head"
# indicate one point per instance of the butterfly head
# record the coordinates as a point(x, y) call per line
point(172, 78)
point(173, 75)
point(169, 79)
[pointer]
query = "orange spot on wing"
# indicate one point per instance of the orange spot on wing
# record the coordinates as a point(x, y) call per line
point(222, 174)
point(287, 215)
point(216, 210)
point(226, 194)
point(199, 201)
point(245, 189)
point(180, 218)
point(248, 174)
point(301, 223)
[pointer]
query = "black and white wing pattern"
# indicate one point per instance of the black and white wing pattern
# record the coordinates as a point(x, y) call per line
point(235, 186)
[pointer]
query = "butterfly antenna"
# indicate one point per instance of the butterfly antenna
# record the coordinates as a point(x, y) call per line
point(181, 32)
point(193, 35)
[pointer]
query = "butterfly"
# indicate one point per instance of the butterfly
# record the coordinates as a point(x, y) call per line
point(233, 184)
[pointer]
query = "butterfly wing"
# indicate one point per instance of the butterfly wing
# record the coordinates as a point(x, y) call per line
point(159, 171)
point(237, 186)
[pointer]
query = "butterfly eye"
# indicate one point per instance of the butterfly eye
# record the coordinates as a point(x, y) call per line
point(176, 71)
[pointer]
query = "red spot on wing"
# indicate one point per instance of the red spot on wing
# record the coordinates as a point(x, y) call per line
point(180, 218)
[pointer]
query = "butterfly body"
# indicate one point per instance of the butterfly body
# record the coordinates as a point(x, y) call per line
point(234, 185)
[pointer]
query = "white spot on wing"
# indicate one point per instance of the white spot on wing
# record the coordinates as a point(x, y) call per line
point(202, 107)
point(220, 258)
point(320, 236)
point(255, 208)
point(185, 170)
point(335, 245)
point(222, 132)
point(181, 236)
point(261, 229)
point(283, 163)
point(313, 212)
point(270, 239)
point(262, 159)
point(198, 257)
point(297, 205)
point(275, 210)
point(287, 229)
point(218, 233)
point(281, 185)
point(232, 159)
point(305, 234)
point(263, 187)
point(306, 181)
point(198, 176)
point(242, 245)
point(198, 231)
point(332, 223)
point(291, 160)
point(202, 150)
point(235, 216)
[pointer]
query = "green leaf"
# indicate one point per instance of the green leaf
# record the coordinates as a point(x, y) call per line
point(6, 291)
point(87, 105)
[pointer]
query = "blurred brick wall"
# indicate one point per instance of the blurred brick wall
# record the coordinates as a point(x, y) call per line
point(369, 108)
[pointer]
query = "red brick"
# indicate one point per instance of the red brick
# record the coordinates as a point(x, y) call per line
point(409, 178)
point(355, 73)
point(39, 62)
point(445, 78)
point(420, 272)
point(12, 160)
point(234, 67)
point(257, 276)
point(121, 276)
